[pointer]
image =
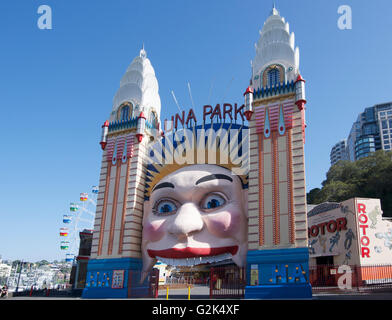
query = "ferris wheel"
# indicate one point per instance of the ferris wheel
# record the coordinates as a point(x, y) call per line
point(80, 216)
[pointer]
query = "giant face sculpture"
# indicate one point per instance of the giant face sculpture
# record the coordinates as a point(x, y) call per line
point(195, 215)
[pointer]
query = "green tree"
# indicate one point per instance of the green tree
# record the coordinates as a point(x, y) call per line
point(311, 195)
point(42, 263)
point(16, 263)
point(336, 191)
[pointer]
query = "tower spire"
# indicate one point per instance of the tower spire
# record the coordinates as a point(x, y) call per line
point(143, 53)
point(274, 11)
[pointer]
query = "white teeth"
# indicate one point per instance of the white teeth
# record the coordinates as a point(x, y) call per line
point(189, 262)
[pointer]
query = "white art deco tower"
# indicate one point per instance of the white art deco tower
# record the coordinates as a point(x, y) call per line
point(132, 125)
point(275, 107)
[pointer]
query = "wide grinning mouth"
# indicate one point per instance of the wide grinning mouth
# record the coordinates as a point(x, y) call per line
point(193, 256)
point(189, 252)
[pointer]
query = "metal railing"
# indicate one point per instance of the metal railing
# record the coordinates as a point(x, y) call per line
point(227, 282)
point(186, 281)
point(350, 277)
point(146, 289)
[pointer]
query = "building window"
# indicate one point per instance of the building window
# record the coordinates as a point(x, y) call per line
point(124, 111)
point(273, 77)
point(153, 117)
point(369, 114)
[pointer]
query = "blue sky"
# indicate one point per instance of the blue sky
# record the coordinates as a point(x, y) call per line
point(57, 86)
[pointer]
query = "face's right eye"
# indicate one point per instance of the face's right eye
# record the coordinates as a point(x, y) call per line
point(212, 201)
point(165, 207)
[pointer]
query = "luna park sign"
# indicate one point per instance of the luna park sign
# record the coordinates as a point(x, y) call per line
point(225, 112)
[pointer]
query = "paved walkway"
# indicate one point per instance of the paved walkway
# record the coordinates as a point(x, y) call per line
point(203, 292)
point(197, 292)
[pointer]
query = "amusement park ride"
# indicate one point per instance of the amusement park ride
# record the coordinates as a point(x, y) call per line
point(80, 217)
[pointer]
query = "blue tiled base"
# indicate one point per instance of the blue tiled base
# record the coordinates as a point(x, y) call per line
point(99, 267)
point(278, 274)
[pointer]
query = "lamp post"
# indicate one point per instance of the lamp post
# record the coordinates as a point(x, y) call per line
point(20, 271)
point(77, 262)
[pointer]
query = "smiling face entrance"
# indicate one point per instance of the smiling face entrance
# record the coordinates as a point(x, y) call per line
point(195, 215)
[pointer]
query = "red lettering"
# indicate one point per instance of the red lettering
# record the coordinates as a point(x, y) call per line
point(363, 226)
point(205, 112)
point(361, 208)
point(216, 112)
point(342, 224)
point(236, 111)
point(181, 119)
point(322, 227)
point(227, 111)
point(365, 252)
point(362, 218)
point(332, 226)
point(314, 231)
point(191, 115)
point(365, 239)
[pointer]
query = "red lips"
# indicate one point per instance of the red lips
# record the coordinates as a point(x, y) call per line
point(179, 253)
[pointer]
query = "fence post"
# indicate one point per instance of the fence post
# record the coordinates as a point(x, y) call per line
point(243, 281)
point(358, 276)
point(211, 281)
point(156, 283)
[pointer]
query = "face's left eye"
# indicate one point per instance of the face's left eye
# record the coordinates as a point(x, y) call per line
point(212, 201)
point(165, 207)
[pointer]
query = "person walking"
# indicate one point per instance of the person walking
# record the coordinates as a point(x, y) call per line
point(4, 291)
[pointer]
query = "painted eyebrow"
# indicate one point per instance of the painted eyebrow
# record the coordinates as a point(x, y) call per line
point(213, 177)
point(163, 185)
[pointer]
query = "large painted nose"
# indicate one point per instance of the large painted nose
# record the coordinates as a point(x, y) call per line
point(187, 221)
